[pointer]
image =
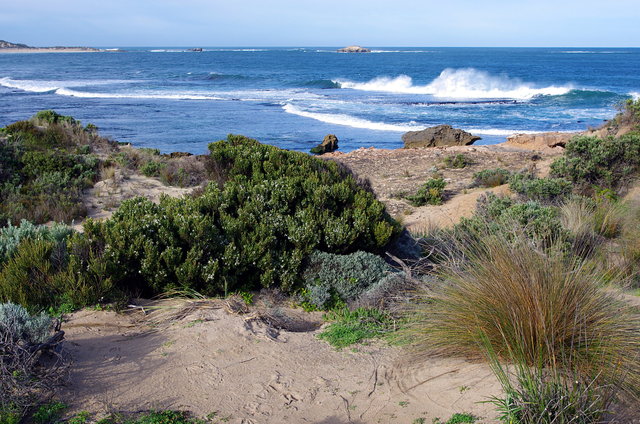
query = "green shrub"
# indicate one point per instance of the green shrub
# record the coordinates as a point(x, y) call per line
point(44, 168)
point(491, 177)
point(591, 161)
point(544, 190)
point(330, 278)
point(458, 161)
point(49, 413)
point(53, 117)
point(270, 209)
point(500, 215)
point(430, 193)
point(151, 169)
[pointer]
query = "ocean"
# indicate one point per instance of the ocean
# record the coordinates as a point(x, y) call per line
point(174, 99)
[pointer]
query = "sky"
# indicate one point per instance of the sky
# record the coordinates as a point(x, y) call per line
point(208, 23)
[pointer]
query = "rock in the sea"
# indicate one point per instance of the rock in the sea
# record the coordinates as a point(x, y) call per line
point(328, 145)
point(354, 49)
point(441, 135)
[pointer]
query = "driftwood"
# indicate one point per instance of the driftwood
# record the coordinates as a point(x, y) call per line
point(30, 371)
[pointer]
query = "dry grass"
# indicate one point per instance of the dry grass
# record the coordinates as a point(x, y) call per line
point(540, 304)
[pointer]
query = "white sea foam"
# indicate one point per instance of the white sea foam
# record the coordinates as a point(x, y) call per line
point(43, 86)
point(351, 121)
point(466, 83)
point(133, 95)
point(635, 95)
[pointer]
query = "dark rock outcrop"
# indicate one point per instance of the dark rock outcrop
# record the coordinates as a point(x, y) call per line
point(354, 49)
point(328, 145)
point(441, 135)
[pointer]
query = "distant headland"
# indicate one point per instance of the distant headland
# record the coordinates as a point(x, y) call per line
point(8, 47)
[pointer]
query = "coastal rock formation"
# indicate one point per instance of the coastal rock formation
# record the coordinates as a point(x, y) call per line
point(328, 145)
point(354, 49)
point(540, 140)
point(441, 135)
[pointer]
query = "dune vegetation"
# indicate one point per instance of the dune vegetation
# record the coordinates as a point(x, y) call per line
point(531, 283)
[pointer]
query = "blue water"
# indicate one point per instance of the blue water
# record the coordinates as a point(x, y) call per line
point(177, 100)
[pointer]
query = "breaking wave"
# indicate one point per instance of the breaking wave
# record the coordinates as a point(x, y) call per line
point(351, 121)
point(466, 83)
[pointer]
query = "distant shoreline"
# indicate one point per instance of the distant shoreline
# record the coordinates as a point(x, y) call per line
point(49, 50)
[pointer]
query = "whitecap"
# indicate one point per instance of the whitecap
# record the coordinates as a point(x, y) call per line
point(466, 83)
point(351, 121)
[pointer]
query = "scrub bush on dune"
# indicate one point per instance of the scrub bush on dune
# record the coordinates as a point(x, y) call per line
point(265, 212)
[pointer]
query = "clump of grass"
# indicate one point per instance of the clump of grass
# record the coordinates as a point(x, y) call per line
point(546, 306)
point(350, 327)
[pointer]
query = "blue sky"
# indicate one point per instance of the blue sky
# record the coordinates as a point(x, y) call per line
point(114, 23)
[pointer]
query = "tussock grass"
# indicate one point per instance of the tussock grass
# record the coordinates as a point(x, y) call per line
point(544, 305)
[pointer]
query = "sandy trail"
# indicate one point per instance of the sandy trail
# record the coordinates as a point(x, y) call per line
point(239, 370)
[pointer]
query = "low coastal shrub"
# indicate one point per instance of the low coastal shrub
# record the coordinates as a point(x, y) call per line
point(591, 162)
point(503, 216)
point(491, 177)
point(25, 381)
point(331, 279)
point(430, 193)
point(11, 236)
point(543, 190)
point(45, 163)
point(266, 212)
point(151, 169)
point(458, 161)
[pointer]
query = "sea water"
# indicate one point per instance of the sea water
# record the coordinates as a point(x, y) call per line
point(179, 100)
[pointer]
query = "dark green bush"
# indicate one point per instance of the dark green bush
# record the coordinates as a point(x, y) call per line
point(590, 162)
point(430, 193)
point(544, 190)
point(270, 210)
point(331, 279)
point(491, 177)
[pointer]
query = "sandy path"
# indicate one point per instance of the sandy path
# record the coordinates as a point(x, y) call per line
point(216, 362)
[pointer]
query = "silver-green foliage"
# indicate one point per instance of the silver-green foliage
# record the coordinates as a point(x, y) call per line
point(18, 325)
point(330, 277)
point(12, 235)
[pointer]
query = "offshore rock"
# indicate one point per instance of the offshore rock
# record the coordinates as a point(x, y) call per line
point(441, 135)
point(328, 145)
point(354, 49)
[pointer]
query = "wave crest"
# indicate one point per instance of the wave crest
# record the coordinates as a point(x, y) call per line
point(466, 83)
point(351, 121)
